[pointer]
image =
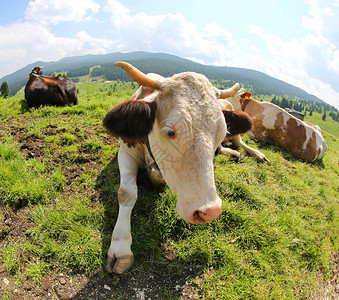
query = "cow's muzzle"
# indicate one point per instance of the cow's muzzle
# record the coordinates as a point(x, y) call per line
point(205, 216)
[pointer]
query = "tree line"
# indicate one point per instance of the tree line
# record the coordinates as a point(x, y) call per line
point(222, 77)
point(305, 106)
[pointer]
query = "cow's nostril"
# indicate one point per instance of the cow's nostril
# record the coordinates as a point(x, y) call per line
point(198, 217)
point(208, 215)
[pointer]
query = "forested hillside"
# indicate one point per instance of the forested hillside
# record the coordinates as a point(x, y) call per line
point(101, 67)
point(162, 64)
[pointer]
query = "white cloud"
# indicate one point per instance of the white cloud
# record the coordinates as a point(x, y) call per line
point(119, 12)
point(54, 12)
point(170, 33)
point(32, 42)
point(323, 23)
point(214, 32)
point(311, 62)
point(334, 60)
point(281, 51)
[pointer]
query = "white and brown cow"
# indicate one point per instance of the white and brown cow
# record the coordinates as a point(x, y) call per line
point(272, 124)
point(173, 125)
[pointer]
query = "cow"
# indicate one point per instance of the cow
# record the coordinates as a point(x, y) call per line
point(46, 90)
point(173, 126)
point(272, 124)
point(236, 139)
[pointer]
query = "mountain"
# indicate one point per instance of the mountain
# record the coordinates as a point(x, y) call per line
point(165, 65)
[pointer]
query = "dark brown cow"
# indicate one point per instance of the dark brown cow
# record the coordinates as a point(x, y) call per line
point(42, 90)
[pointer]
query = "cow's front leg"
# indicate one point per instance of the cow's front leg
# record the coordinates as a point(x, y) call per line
point(229, 152)
point(120, 256)
point(238, 142)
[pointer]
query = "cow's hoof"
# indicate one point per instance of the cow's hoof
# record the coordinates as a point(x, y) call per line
point(122, 264)
point(263, 158)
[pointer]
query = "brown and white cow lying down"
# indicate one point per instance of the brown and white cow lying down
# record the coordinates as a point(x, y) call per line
point(272, 124)
point(173, 125)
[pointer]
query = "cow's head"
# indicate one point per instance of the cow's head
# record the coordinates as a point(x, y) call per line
point(184, 125)
point(35, 70)
point(240, 99)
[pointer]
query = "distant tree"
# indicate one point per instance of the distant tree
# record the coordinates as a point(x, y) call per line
point(311, 112)
point(62, 75)
point(274, 100)
point(4, 89)
point(78, 72)
point(334, 116)
point(324, 116)
point(284, 103)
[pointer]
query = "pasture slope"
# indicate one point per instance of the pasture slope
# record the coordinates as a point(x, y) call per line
point(277, 237)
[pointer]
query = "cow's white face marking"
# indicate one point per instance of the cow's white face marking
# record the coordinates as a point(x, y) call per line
point(189, 126)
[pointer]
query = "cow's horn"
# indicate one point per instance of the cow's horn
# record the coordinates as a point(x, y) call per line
point(229, 92)
point(138, 76)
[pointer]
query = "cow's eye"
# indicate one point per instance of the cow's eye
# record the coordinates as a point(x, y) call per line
point(170, 133)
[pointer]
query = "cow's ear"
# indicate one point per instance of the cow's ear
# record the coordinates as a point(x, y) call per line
point(131, 120)
point(246, 95)
point(237, 122)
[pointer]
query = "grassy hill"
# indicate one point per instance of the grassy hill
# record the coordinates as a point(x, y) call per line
point(277, 237)
point(329, 125)
point(165, 65)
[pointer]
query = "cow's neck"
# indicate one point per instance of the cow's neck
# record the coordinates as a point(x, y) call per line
point(153, 169)
point(244, 103)
point(150, 150)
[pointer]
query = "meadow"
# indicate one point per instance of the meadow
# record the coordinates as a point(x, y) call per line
point(277, 237)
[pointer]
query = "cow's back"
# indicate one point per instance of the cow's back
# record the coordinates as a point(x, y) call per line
point(39, 93)
point(56, 91)
point(274, 125)
point(69, 89)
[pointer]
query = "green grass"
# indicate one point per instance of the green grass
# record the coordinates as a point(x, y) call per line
point(36, 270)
point(329, 125)
point(24, 181)
point(10, 259)
point(68, 234)
point(7, 295)
point(274, 239)
point(276, 233)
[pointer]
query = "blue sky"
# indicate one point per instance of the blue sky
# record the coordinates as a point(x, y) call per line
point(295, 41)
